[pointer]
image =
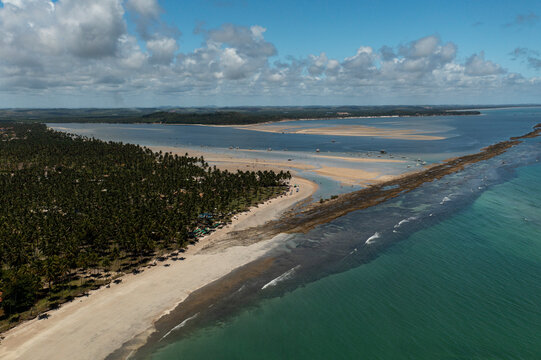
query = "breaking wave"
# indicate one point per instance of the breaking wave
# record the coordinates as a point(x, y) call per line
point(371, 239)
point(284, 276)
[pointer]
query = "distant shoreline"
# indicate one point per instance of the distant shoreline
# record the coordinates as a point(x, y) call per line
point(224, 116)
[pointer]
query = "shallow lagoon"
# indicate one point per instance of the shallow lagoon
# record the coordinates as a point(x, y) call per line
point(465, 134)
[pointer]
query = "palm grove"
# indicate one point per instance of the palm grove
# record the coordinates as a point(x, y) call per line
point(69, 204)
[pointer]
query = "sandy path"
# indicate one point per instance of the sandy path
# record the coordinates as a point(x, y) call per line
point(95, 326)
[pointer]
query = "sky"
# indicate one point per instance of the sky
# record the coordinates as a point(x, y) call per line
point(148, 53)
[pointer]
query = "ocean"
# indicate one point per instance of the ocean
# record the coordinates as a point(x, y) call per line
point(448, 271)
point(466, 287)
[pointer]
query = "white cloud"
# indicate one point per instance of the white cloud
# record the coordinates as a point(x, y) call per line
point(476, 65)
point(423, 47)
point(257, 32)
point(146, 8)
point(84, 47)
point(163, 50)
point(89, 28)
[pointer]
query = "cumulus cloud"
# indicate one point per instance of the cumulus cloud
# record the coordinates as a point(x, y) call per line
point(229, 52)
point(90, 29)
point(317, 64)
point(162, 50)
point(476, 65)
point(84, 29)
point(82, 47)
point(146, 14)
point(361, 65)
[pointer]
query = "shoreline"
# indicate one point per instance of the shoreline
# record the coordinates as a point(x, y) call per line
point(304, 221)
point(325, 118)
point(96, 326)
point(76, 327)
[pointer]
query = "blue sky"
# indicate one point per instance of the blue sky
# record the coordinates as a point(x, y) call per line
point(300, 28)
point(240, 52)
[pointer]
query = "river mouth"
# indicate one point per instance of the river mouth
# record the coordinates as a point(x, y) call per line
point(344, 243)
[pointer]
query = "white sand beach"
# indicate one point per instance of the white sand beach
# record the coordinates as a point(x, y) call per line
point(95, 326)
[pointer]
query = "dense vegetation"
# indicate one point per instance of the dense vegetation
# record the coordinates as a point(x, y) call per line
point(221, 116)
point(238, 117)
point(74, 208)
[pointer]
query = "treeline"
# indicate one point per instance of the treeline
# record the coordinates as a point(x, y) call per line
point(245, 118)
point(72, 205)
point(221, 116)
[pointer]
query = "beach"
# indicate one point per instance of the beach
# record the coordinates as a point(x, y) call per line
point(123, 314)
point(95, 326)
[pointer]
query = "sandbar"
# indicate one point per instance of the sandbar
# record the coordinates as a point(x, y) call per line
point(344, 130)
point(349, 176)
point(345, 175)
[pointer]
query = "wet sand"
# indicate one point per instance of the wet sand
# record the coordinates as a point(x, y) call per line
point(344, 130)
point(230, 162)
point(354, 175)
point(349, 176)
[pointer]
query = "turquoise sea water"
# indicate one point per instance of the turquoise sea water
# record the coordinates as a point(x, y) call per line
point(453, 273)
point(467, 287)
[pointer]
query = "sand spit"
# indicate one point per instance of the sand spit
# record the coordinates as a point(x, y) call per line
point(343, 130)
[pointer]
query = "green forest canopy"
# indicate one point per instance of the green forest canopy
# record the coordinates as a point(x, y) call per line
point(70, 203)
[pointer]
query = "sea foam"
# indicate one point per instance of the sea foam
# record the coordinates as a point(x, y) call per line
point(371, 239)
point(287, 275)
point(444, 200)
point(179, 326)
point(405, 221)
